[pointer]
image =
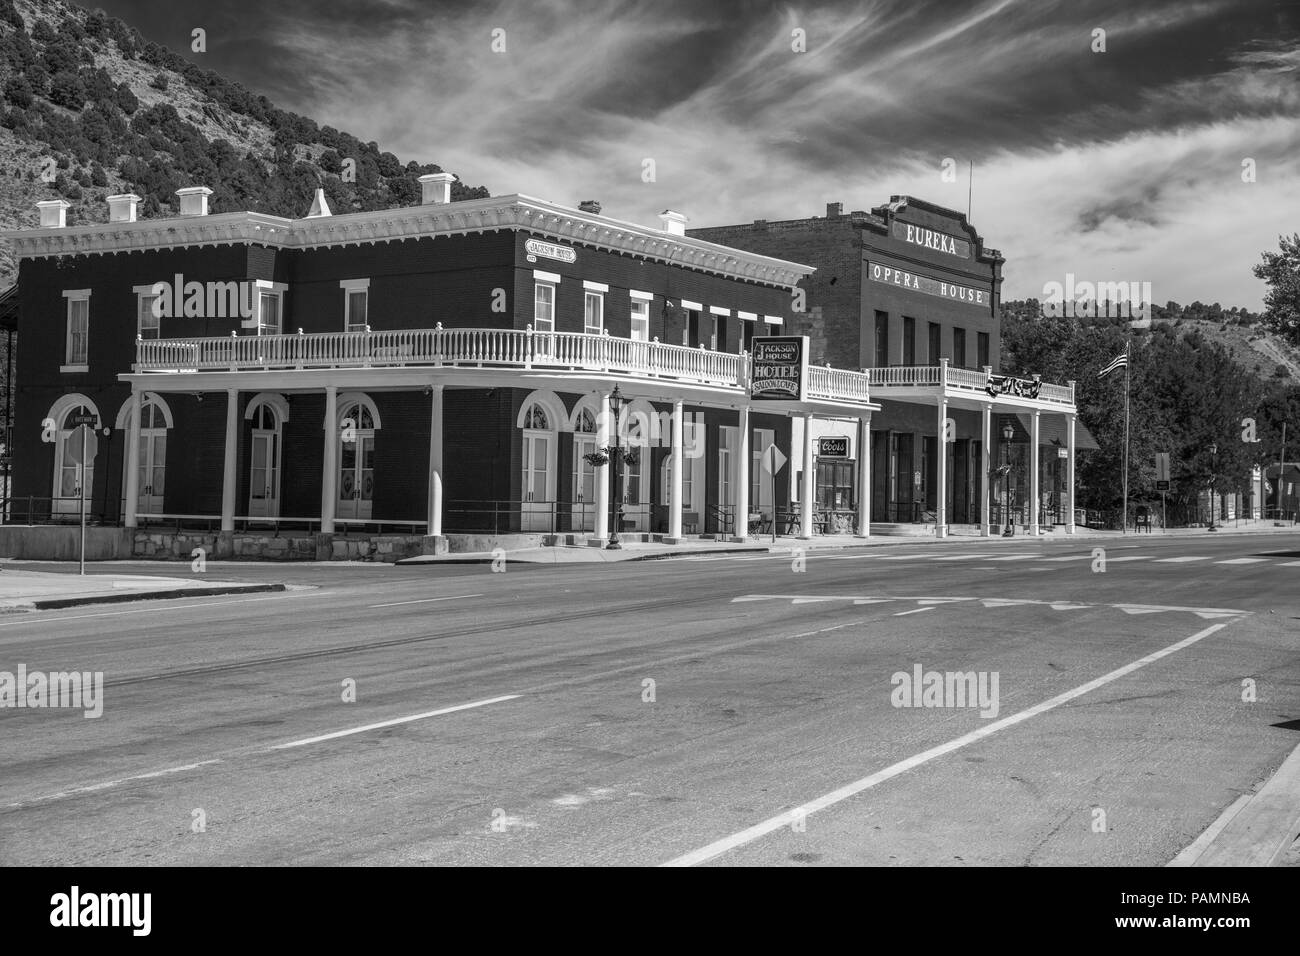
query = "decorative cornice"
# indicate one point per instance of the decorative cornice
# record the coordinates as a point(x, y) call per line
point(516, 212)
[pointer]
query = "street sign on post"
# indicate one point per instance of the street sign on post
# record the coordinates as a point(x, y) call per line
point(772, 461)
point(1162, 466)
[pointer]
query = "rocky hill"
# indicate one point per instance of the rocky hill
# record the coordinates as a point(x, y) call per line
point(91, 108)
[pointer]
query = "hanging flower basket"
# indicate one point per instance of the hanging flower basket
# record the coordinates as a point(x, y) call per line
point(596, 459)
point(603, 456)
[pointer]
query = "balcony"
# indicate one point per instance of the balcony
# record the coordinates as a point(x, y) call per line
point(479, 348)
point(963, 381)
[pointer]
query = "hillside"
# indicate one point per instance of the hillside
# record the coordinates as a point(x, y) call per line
point(91, 108)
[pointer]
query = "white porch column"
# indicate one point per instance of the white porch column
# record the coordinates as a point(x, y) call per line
point(1033, 475)
point(986, 430)
point(600, 474)
point(740, 469)
point(229, 479)
point(132, 461)
point(329, 495)
point(1069, 446)
point(675, 483)
point(864, 477)
point(435, 461)
point(941, 473)
point(809, 488)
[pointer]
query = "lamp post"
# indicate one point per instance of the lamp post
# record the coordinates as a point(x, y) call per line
point(1214, 468)
point(1007, 433)
point(616, 499)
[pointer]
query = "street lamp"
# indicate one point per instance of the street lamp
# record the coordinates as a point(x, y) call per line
point(1007, 433)
point(616, 499)
point(1214, 468)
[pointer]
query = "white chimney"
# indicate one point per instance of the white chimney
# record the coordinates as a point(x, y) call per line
point(674, 222)
point(436, 188)
point(319, 207)
point(122, 208)
point(54, 213)
point(194, 200)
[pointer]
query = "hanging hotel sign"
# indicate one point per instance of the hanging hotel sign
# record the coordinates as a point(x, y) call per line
point(833, 446)
point(945, 290)
point(938, 241)
point(548, 250)
point(1018, 387)
point(780, 368)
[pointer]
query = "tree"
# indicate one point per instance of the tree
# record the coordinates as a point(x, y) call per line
point(18, 91)
point(67, 90)
point(1281, 272)
point(126, 99)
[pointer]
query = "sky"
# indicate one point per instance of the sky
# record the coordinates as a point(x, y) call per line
point(1164, 149)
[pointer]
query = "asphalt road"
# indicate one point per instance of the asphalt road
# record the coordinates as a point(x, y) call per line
point(769, 734)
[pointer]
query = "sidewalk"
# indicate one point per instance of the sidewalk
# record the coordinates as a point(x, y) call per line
point(42, 590)
point(1258, 829)
point(759, 544)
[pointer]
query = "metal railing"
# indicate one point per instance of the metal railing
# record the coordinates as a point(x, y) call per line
point(958, 379)
point(478, 348)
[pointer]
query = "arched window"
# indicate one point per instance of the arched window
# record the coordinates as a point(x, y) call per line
point(71, 474)
point(151, 474)
point(585, 423)
point(535, 417)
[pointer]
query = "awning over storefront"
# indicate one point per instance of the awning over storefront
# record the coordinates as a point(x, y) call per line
point(1052, 430)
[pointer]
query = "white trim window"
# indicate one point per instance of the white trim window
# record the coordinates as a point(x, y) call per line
point(76, 352)
point(269, 317)
point(147, 323)
point(356, 304)
point(543, 306)
point(593, 313)
point(640, 320)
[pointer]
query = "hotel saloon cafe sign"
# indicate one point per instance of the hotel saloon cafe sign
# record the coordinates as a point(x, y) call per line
point(780, 364)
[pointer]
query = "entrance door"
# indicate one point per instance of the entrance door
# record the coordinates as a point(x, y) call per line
point(264, 474)
point(880, 476)
point(153, 470)
point(584, 484)
point(535, 513)
point(357, 478)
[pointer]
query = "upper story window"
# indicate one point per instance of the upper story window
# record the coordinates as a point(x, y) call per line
point(147, 323)
point(640, 317)
point(544, 287)
point(356, 304)
point(691, 332)
point(269, 314)
point(882, 339)
point(933, 332)
point(718, 326)
point(76, 355)
point(959, 347)
point(593, 307)
point(982, 345)
point(909, 340)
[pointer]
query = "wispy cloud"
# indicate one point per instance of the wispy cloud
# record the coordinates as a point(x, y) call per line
point(1125, 163)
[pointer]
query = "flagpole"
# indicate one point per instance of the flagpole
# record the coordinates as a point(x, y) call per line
point(1128, 360)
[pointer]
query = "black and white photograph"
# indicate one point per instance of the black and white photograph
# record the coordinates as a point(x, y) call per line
point(547, 433)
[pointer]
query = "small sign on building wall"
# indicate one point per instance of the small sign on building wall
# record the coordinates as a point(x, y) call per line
point(548, 250)
point(834, 446)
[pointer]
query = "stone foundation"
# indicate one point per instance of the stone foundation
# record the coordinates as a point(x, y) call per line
point(241, 546)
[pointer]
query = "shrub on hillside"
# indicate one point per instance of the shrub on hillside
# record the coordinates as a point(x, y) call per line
point(66, 89)
point(18, 91)
point(159, 82)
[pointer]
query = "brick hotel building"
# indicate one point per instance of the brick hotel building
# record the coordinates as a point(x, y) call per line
point(415, 378)
point(909, 293)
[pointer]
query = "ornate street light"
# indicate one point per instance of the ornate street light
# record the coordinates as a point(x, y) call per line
point(1214, 468)
point(1007, 434)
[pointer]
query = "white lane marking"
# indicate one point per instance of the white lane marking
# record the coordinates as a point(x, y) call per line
point(904, 557)
point(391, 723)
point(157, 610)
point(719, 847)
point(111, 783)
point(917, 610)
point(1139, 557)
point(1291, 564)
point(1242, 561)
point(1017, 557)
point(452, 597)
point(1071, 557)
point(966, 557)
point(1181, 560)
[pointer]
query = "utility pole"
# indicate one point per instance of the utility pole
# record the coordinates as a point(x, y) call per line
point(1281, 471)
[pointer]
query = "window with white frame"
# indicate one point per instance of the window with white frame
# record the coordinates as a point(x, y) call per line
point(77, 350)
point(593, 313)
point(544, 307)
point(270, 307)
point(146, 322)
point(356, 304)
point(640, 318)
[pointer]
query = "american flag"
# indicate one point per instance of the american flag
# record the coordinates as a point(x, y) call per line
point(1119, 361)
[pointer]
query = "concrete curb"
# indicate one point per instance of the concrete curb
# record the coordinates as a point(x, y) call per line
point(1257, 829)
point(51, 604)
point(653, 556)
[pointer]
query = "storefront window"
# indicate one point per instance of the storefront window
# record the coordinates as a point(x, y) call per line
point(835, 485)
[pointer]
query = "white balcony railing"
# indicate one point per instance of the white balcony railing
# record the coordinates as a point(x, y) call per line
point(954, 379)
point(510, 348)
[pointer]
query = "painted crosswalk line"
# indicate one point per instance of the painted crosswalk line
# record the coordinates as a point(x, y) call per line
point(1242, 561)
